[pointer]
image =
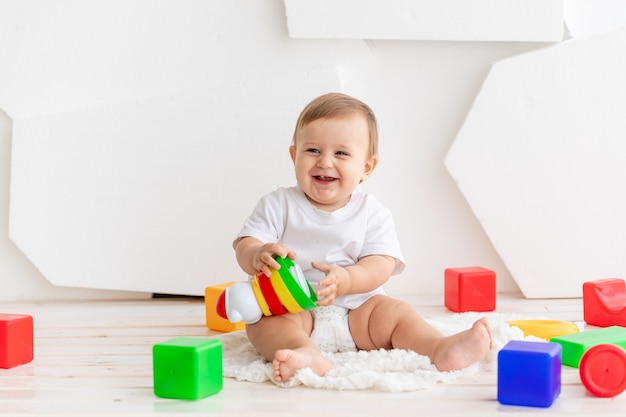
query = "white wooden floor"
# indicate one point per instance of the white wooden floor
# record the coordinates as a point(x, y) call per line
point(95, 358)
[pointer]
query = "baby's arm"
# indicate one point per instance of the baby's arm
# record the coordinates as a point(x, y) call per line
point(254, 256)
point(366, 275)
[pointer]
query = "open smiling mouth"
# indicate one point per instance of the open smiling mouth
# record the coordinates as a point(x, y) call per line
point(322, 178)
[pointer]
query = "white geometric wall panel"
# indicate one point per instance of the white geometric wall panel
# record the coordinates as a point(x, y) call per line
point(64, 55)
point(541, 158)
point(463, 20)
point(592, 17)
point(142, 195)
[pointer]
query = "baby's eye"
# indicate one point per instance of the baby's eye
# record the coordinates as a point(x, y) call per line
point(342, 153)
point(313, 150)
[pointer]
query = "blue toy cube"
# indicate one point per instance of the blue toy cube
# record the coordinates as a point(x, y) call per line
point(529, 373)
point(187, 368)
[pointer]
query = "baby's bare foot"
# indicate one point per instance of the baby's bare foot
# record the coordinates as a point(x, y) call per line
point(465, 348)
point(287, 362)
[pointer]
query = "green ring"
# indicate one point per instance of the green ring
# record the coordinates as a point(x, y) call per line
point(307, 303)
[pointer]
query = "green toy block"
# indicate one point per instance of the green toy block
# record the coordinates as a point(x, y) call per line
point(576, 344)
point(187, 368)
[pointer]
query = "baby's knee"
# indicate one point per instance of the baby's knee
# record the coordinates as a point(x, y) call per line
point(397, 307)
point(388, 312)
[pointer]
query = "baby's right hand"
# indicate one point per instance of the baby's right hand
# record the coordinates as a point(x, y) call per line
point(265, 257)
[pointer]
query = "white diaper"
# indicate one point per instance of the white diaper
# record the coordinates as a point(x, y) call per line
point(330, 329)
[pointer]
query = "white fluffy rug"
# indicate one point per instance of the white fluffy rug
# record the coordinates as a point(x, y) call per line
point(384, 370)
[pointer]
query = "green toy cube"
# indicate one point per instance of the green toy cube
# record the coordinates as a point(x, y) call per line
point(187, 368)
point(575, 345)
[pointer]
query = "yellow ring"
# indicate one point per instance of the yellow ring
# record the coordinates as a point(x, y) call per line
point(259, 297)
point(545, 329)
point(283, 293)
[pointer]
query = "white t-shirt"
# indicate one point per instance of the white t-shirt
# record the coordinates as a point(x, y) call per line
point(362, 227)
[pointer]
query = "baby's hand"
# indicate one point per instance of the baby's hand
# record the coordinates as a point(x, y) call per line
point(265, 257)
point(333, 285)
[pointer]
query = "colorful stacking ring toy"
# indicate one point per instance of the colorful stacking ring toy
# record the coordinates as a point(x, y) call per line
point(286, 291)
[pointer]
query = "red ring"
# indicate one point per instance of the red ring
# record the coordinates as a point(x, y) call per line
point(273, 302)
point(603, 370)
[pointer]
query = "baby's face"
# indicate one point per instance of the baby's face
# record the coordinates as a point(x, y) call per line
point(331, 157)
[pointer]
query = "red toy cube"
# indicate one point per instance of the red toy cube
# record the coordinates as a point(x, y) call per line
point(16, 340)
point(604, 302)
point(470, 289)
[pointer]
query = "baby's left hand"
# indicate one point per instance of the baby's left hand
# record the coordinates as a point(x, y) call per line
point(333, 285)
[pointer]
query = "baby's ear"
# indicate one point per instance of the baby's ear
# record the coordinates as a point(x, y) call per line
point(292, 153)
point(370, 166)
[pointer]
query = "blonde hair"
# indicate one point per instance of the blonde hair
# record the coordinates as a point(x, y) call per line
point(335, 105)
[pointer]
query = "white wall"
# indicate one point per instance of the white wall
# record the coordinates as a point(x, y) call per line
point(420, 90)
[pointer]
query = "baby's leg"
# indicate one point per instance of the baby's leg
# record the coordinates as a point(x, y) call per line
point(384, 322)
point(285, 341)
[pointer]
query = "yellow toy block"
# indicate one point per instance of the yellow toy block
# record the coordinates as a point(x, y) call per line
point(545, 329)
point(213, 321)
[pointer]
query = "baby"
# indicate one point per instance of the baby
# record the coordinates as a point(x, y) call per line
point(346, 243)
